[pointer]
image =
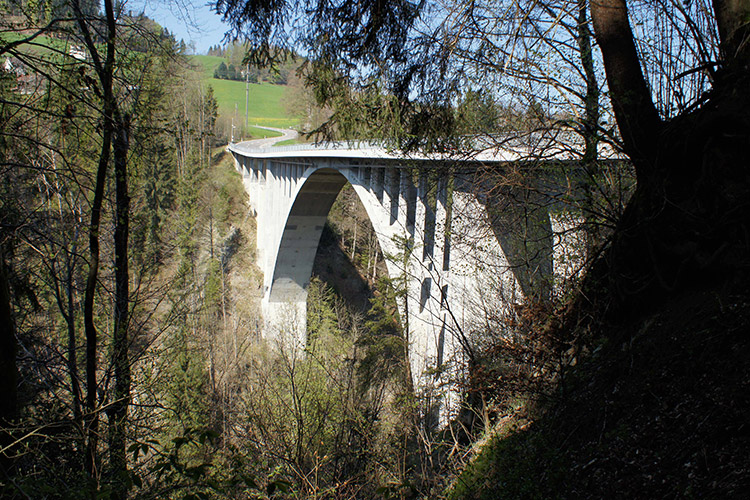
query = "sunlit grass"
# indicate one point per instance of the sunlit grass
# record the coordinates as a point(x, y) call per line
point(289, 142)
point(266, 101)
point(262, 133)
point(41, 46)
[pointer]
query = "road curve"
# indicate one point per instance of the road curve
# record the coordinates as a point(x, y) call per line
point(286, 134)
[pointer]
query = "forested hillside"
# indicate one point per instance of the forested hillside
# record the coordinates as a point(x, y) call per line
point(132, 357)
point(103, 142)
point(134, 360)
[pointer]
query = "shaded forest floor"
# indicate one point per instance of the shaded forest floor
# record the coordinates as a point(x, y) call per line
point(661, 409)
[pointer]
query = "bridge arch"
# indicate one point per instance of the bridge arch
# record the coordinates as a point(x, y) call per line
point(290, 263)
point(466, 256)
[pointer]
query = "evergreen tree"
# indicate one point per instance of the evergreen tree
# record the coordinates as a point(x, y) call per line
point(221, 71)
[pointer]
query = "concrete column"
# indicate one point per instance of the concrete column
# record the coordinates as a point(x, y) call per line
point(418, 226)
point(386, 195)
point(244, 172)
point(261, 217)
point(415, 283)
point(422, 231)
point(441, 201)
point(279, 206)
point(273, 181)
point(249, 180)
point(298, 171)
point(377, 182)
point(405, 201)
point(282, 179)
point(259, 180)
point(447, 229)
point(288, 180)
point(262, 211)
point(444, 347)
point(393, 188)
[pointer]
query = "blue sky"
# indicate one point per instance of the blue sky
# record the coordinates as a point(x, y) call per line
point(189, 20)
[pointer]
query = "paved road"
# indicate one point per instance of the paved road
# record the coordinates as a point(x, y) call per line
point(286, 134)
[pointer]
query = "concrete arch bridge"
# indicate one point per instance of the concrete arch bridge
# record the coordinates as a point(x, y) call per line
point(465, 248)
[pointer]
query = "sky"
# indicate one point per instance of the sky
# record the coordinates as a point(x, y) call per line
point(189, 20)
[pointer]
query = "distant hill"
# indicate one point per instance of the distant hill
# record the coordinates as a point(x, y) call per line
point(266, 100)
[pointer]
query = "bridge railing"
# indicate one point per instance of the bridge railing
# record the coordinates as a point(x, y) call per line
point(316, 146)
point(563, 145)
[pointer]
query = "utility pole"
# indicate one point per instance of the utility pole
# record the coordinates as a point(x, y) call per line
point(247, 91)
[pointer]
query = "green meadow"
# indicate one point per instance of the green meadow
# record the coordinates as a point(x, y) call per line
point(266, 105)
point(40, 45)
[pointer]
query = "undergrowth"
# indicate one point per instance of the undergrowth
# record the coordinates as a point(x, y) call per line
point(658, 410)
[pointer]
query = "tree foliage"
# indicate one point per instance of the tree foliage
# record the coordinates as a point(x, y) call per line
point(83, 128)
point(416, 59)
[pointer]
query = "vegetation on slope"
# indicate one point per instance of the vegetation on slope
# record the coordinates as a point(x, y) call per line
point(323, 422)
point(656, 404)
point(211, 410)
point(659, 409)
point(649, 396)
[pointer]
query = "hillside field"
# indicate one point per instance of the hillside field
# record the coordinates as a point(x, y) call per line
point(266, 100)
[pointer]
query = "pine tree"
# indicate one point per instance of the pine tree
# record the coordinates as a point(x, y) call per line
point(221, 71)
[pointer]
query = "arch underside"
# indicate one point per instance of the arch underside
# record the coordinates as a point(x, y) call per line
point(524, 236)
point(389, 201)
point(301, 236)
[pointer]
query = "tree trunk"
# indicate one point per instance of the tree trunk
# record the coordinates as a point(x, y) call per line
point(92, 416)
point(591, 101)
point(120, 352)
point(635, 112)
point(105, 72)
point(734, 30)
point(8, 368)
point(589, 130)
point(75, 385)
point(686, 224)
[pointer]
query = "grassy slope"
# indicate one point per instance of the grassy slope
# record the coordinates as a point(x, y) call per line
point(289, 142)
point(660, 411)
point(266, 100)
point(41, 46)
